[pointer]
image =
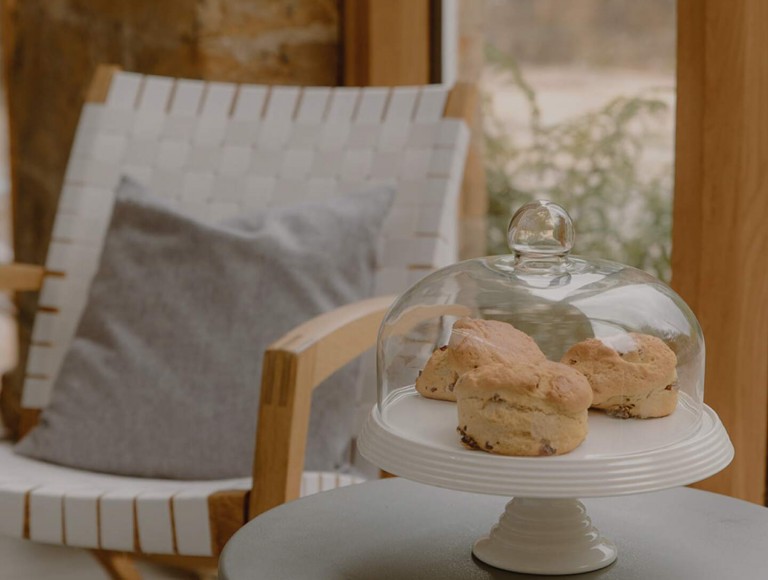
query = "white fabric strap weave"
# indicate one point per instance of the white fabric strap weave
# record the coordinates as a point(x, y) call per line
point(217, 148)
point(97, 511)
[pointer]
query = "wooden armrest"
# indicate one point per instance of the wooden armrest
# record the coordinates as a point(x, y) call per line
point(334, 338)
point(293, 367)
point(21, 277)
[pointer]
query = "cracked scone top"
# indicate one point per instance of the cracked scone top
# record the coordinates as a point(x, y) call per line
point(523, 409)
point(632, 375)
point(474, 343)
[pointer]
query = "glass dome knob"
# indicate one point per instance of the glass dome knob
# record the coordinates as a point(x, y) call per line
point(540, 229)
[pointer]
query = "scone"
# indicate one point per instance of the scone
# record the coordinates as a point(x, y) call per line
point(632, 375)
point(474, 343)
point(437, 379)
point(523, 409)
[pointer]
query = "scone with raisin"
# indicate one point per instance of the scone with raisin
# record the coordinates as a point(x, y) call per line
point(474, 343)
point(632, 375)
point(437, 379)
point(523, 409)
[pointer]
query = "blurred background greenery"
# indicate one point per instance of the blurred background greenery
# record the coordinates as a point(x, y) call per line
point(603, 143)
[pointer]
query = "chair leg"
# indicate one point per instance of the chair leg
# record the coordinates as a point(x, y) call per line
point(118, 565)
point(198, 567)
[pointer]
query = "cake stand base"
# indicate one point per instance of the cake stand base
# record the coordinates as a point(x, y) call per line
point(545, 536)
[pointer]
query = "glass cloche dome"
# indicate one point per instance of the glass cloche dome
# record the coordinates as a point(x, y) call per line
point(541, 353)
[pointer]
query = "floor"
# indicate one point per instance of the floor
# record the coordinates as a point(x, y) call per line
point(23, 560)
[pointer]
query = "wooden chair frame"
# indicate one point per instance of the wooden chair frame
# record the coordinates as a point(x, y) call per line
point(293, 366)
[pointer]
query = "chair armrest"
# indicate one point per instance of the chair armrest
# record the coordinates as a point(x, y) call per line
point(293, 367)
point(21, 277)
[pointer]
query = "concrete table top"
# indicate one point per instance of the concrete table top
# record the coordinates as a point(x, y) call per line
point(395, 529)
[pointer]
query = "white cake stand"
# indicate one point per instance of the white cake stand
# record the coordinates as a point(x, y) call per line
point(544, 529)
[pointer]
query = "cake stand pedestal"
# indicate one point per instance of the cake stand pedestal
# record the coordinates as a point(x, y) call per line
point(545, 536)
point(544, 529)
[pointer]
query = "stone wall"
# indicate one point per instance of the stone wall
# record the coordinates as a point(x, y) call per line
point(51, 48)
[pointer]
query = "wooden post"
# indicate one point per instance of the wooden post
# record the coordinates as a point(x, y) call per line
point(386, 42)
point(720, 239)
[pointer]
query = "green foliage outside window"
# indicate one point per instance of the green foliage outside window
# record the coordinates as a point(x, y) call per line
point(591, 165)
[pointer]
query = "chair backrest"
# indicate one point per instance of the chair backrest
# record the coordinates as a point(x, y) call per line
point(215, 148)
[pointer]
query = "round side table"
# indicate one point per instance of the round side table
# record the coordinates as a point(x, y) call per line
point(395, 529)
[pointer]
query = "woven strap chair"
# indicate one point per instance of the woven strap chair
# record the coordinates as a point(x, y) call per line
point(198, 138)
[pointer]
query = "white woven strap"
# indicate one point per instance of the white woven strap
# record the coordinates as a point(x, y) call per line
point(57, 505)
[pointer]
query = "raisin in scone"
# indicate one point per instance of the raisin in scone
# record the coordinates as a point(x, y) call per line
point(632, 375)
point(523, 409)
point(474, 343)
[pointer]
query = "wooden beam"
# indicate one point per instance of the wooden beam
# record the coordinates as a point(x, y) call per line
point(386, 42)
point(720, 239)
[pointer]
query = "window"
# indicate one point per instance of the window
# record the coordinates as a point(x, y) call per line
point(579, 109)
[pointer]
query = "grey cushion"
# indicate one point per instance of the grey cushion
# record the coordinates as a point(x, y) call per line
point(162, 378)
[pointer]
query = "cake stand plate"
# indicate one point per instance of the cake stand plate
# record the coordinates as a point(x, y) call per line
point(544, 529)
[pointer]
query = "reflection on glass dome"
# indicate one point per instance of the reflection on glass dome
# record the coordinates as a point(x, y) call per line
point(453, 351)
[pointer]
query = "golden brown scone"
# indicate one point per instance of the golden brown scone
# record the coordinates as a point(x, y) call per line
point(523, 409)
point(437, 379)
point(474, 343)
point(632, 375)
point(480, 342)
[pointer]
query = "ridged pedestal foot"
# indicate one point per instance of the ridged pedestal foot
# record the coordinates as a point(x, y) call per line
point(545, 536)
